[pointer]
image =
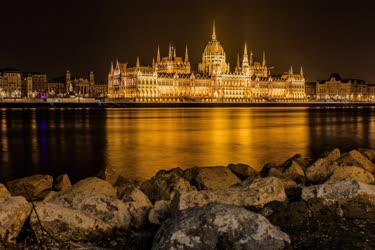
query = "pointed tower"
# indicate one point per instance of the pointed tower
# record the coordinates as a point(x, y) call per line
point(245, 59)
point(174, 52)
point(158, 55)
point(138, 63)
point(264, 59)
point(251, 58)
point(153, 61)
point(301, 71)
point(238, 61)
point(291, 70)
point(170, 52)
point(213, 31)
point(111, 69)
point(186, 54)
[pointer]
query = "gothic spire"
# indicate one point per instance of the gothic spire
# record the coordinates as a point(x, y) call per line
point(111, 67)
point(158, 55)
point(170, 52)
point(245, 60)
point(291, 70)
point(213, 31)
point(264, 59)
point(138, 64)
point(301, 72)
point(186, 54)
point(174, 52)
point(251, 58)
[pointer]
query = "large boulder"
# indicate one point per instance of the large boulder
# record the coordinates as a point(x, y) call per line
point(165, 184)
point(67, 224)
point(322, 168)
point(160, 212)
point(62, 183)
point(356, 199)
point(32, 188)
point(139, 204)
point(260, 192)
point(4, 193)
point(243, 171)
point(98, 199)
point(355, 158)
point(219, 227)
point(92, 186)
point(14, 211)
point(211, 177)
point(351, 173)
point(296, 160)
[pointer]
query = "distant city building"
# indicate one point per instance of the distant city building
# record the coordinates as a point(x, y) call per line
point(336, 88)
point(171, 79)
point(10, 83)
point(310, 88)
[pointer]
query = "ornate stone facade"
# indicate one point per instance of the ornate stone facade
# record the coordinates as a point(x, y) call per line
point(170, 79)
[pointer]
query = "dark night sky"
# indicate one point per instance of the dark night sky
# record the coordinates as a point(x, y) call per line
point(80, 35)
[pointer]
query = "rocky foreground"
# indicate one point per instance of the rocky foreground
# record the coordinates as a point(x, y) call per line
point(328, 203)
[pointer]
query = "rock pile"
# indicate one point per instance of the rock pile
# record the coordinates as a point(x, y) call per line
point(325, 203)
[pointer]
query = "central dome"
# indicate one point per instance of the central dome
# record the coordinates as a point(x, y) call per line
point(214, 48)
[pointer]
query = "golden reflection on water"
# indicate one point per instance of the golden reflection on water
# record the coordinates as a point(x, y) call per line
point(141, 142)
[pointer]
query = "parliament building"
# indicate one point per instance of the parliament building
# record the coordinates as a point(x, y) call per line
point(171, 79)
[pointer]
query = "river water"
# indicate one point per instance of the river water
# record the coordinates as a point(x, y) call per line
point(138, 142)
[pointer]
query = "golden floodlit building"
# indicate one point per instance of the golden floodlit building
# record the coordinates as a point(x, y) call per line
point(171, 79)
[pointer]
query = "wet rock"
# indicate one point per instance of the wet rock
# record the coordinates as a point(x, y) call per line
point(242, 171)
point(355, 158)
point(67, 224)
point(351, 173)
point(219, 227)
point(212, 177)
point(267, 167)
point(368, 152)
point(110, 175)
point(32, 188)
point(14, 211)
point(62, 183)
point(260, 192)
point(4, 193)
point(139, 204)
point(165, 184)
point(356, 199)
point(160, 212)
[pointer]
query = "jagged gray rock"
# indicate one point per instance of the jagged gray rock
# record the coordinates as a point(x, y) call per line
point(351, 173)
point(219, 227)
point(357, 199)
point(160, 212)
point(139, 204)
point(14, 211)
point(165, 184)
point(355, 158)
point(67, 224)
point(260, 192)
point(32, 188)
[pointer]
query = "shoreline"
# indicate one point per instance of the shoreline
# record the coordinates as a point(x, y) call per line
point(114, 105)
point(328, 202)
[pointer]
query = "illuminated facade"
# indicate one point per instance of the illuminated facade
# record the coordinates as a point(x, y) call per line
point(170, 79)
